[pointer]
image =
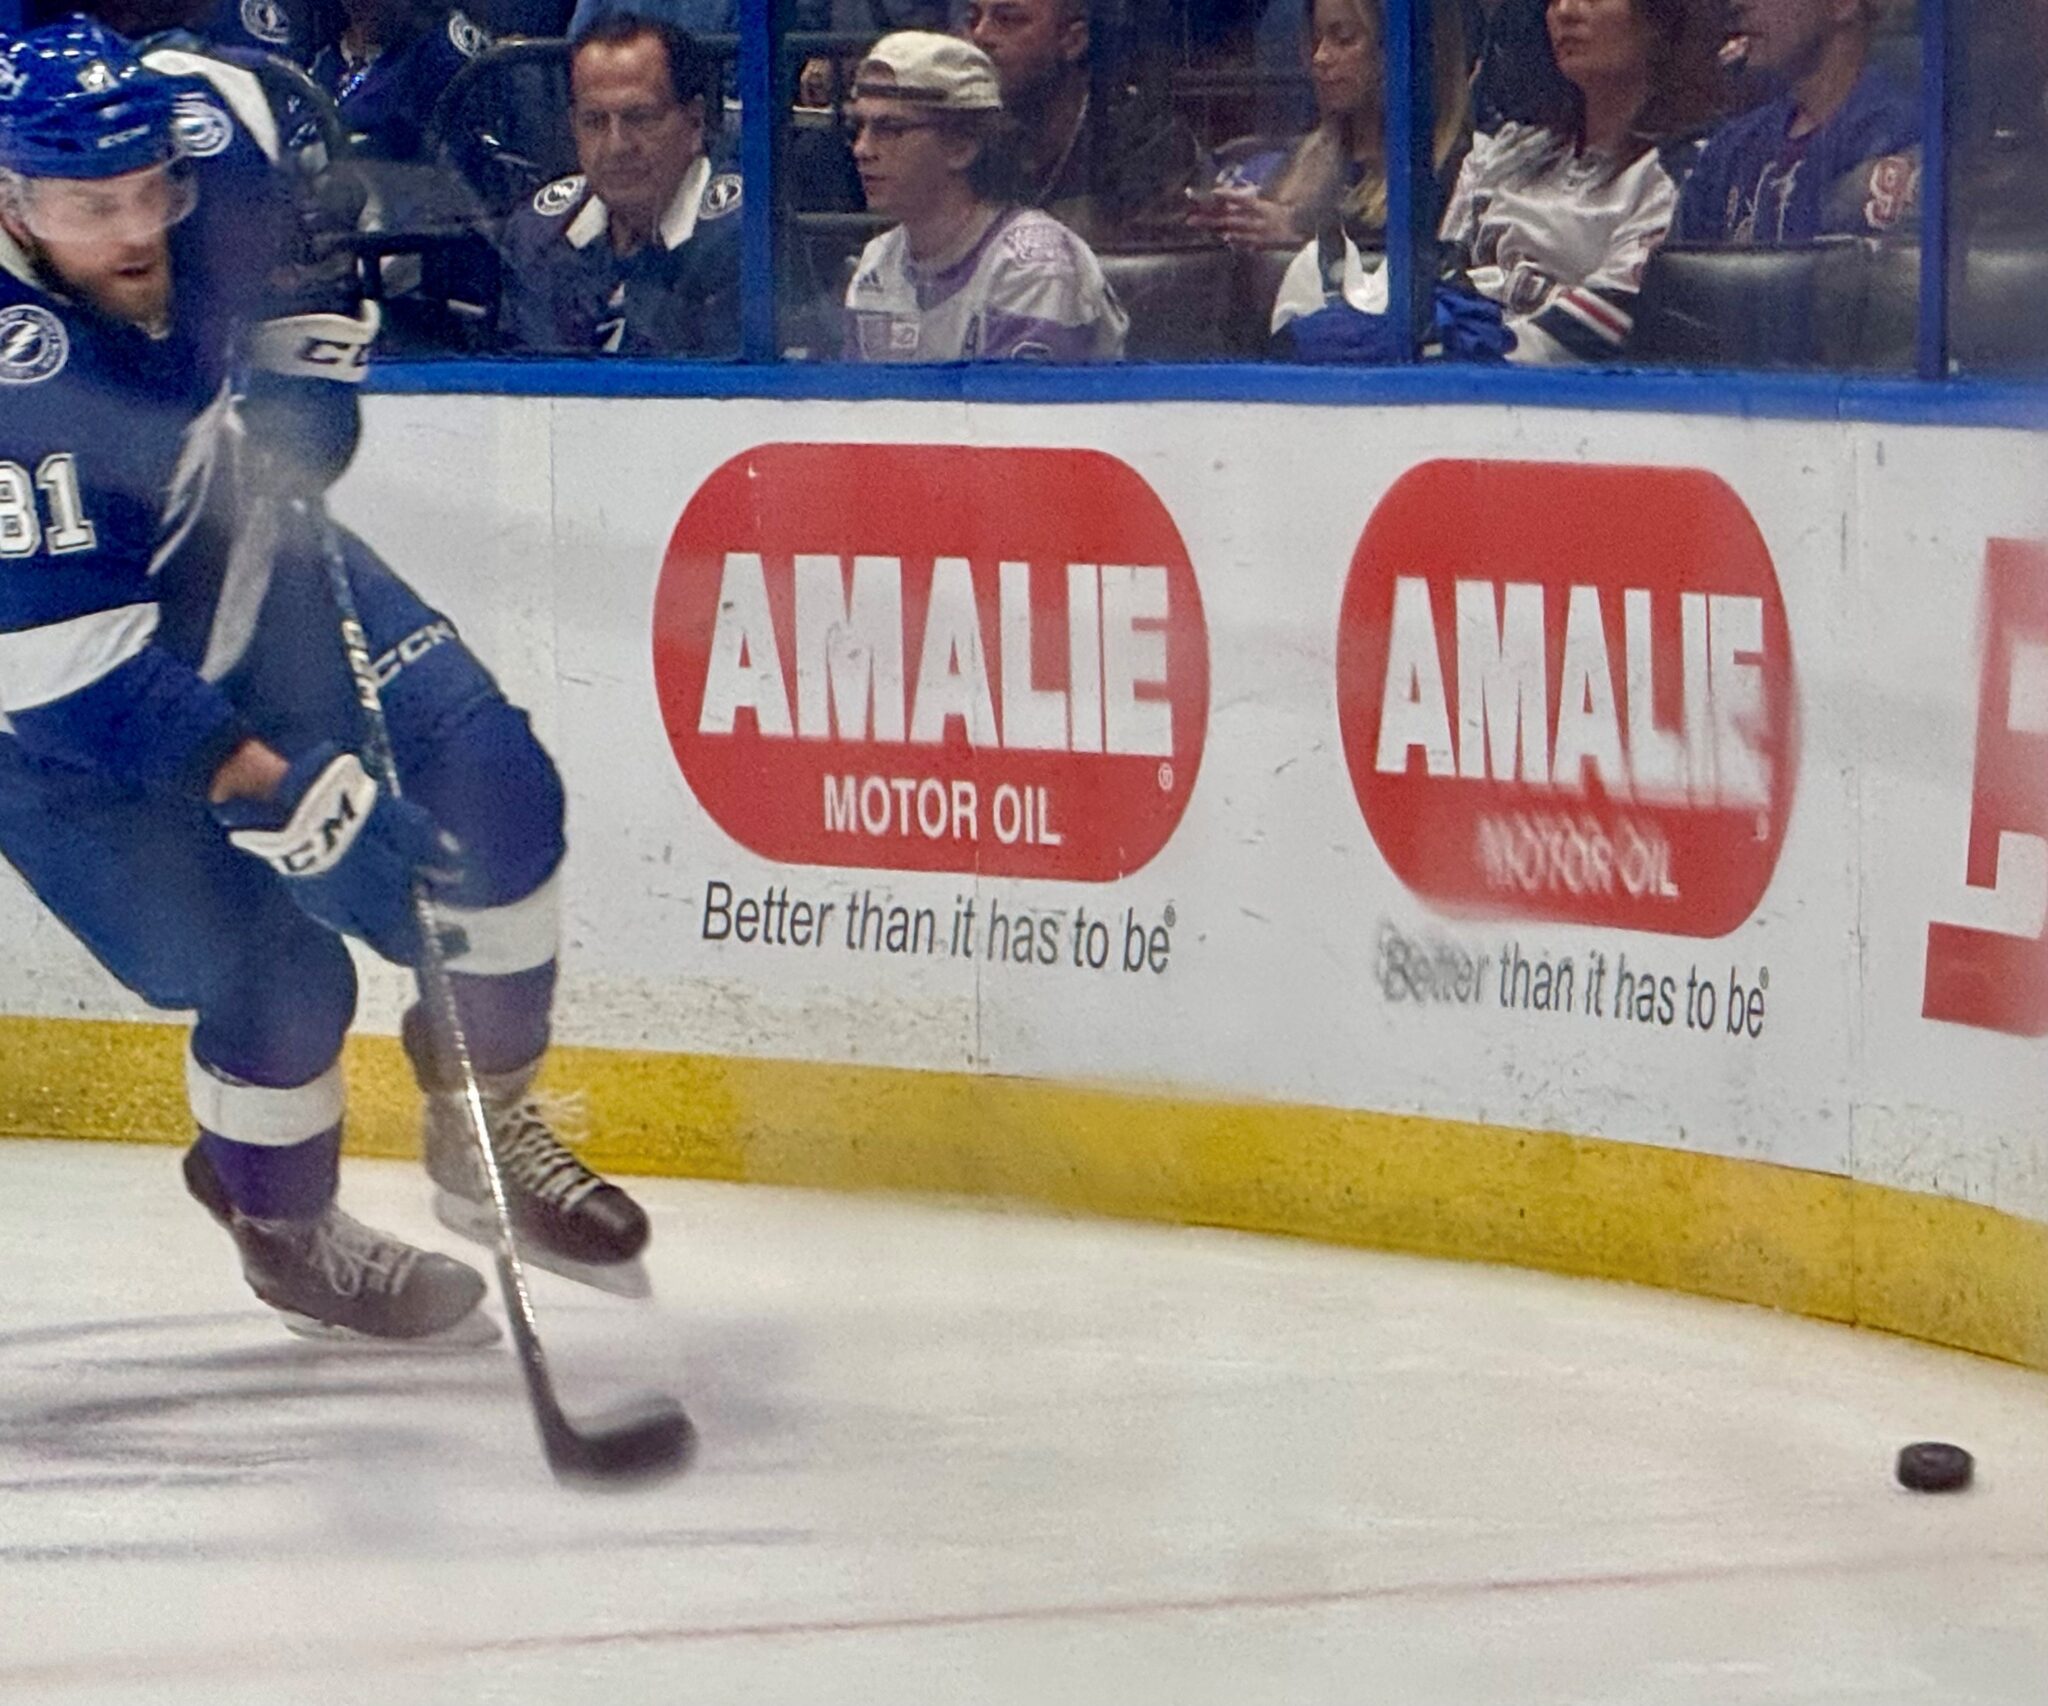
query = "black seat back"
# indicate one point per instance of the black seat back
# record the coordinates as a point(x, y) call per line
point(1996, 318)
point(1178, 301)
point(503, 122)
point(1727, 306)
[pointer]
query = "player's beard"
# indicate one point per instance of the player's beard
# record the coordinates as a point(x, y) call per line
point(132, 286)
point(142, 300)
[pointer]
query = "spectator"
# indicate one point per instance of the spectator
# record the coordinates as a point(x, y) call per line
point(1110, 176)
point(638, 253)
point(1555, 221)
point(390, 64)
point(968, 273)
point(1766, 176)
point(1339, 168)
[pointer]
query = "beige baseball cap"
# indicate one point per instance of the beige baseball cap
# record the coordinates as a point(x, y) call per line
point(933, 70)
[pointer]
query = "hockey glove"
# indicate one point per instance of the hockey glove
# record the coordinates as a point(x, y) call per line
point(350, 851)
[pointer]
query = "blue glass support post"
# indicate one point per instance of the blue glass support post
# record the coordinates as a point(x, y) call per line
point(1411, 173)
point(761, 23)
point(1936, 39)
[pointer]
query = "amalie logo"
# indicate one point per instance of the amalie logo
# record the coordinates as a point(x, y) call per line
point(1567, 692)
point(934, 658)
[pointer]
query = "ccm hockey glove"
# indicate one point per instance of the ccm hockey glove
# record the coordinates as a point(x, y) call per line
point(351, 852)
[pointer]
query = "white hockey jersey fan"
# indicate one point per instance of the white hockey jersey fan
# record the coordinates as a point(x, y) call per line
point(1559, 238)
point(1024, 289)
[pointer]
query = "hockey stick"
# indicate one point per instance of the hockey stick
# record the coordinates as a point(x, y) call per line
point(649, 1436)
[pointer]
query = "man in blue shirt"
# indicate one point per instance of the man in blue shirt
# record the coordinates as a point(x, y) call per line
point(638, 253)
point(1765, 176)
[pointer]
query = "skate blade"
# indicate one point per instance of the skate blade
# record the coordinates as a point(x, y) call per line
point(473, 1332)
point(478, 1224)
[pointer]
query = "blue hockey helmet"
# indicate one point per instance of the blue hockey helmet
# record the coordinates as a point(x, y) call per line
point(76, 102)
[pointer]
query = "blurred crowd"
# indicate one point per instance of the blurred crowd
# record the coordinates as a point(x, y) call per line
point(1075, 180)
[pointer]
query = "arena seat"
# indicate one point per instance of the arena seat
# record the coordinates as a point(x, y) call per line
point(1725, 306)
point(1255, 282)
point(503, 122)
point(1869, 305)
point(1995, 320)
point(1178, 300)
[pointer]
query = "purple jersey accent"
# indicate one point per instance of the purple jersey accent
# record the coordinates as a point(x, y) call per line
point(1025, 289)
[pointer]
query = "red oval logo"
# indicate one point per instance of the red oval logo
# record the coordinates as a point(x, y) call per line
point(934, 658)
point(1567, 692)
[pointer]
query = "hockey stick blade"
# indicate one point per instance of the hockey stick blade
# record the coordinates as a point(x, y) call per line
point(642, 1440)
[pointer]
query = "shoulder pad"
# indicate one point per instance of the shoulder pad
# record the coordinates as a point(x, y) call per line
point(469, 38)
point(721, 196)
point(33, 344)
point(558, 197)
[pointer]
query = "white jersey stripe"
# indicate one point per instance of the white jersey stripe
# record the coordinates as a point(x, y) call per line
point(255, 1113)
point(38, 665)
point(500, 940)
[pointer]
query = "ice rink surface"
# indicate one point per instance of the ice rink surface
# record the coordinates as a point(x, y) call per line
point(958, 1456)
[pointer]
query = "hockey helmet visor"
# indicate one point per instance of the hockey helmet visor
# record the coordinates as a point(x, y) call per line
point(76, 102)
point(132, 208)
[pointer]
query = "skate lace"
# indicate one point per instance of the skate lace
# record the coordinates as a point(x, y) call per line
point(534, 1157)
point(355, 1259)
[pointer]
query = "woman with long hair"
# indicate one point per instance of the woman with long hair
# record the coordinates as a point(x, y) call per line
point(1555, 219)
point(1339, 167)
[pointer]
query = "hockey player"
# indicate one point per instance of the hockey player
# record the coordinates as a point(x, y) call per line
point(968, 274)
point(639, 252)
point(176, 779)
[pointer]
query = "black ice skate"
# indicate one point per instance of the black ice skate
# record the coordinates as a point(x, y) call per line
point(569, 1220)
point(332, 1277)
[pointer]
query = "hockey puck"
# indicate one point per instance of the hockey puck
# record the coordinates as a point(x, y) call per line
point(1934, 1466)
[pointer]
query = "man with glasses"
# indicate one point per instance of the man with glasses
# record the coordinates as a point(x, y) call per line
point(638, 253)
point(967, 273)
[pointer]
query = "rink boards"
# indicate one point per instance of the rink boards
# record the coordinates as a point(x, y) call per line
point(1610, 842)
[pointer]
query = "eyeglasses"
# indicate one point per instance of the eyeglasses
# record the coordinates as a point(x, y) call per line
point(882, 129)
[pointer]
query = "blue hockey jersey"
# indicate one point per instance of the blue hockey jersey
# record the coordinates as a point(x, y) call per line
point(385, 102)
point(566, 291)
point(120, 535)
point(1757, 183)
